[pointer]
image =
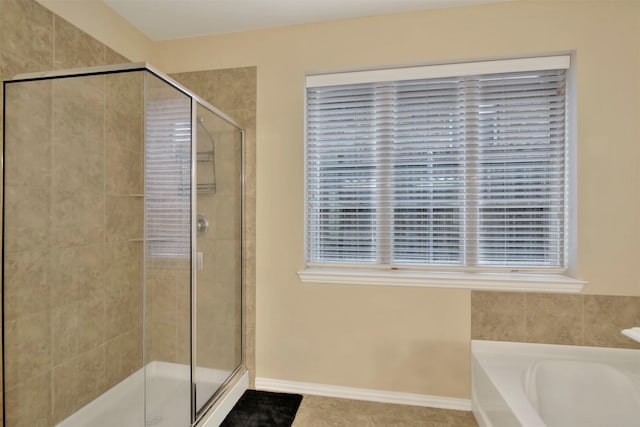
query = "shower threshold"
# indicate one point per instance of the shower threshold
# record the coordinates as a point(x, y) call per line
point(167, 398)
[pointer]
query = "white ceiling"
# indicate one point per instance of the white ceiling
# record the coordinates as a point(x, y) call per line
point(173, 19)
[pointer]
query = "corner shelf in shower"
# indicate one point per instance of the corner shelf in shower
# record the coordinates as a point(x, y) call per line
point(205, 157)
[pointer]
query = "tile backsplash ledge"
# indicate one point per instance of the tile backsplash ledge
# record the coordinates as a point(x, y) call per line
point(588, 320)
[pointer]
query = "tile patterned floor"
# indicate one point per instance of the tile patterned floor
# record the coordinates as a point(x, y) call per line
point(316, 411)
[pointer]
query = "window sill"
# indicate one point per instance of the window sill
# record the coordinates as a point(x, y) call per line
point(460, 280)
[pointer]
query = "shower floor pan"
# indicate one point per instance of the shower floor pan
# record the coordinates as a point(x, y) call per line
point(167, 400)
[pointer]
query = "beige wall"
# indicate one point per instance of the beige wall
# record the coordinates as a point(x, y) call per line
point(417, 340)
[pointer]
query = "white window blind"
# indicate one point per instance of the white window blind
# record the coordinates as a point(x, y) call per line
point(168, 177)
point(461, 171)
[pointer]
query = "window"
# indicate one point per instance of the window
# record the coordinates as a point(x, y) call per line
point(456, 167)
point(168, 174)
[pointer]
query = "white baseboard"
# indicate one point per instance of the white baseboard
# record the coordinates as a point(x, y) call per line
point(383, 396)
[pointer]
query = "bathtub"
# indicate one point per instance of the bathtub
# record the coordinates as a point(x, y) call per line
point(542, 385)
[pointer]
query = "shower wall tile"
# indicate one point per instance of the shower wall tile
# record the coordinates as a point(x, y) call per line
point(236, 89)
point(168, 307)
point(29, 404)
point(116, 171)
point(13, 64)
point(26, 27)
point(123, 171)
point(76, 272)
point(162, 342)
point(592, 320)
point(77, 381)
point(65, 381)
point(92, 381)
point(227, 207)
point(226, 261)
point(122, 312)
point(32, 137)
point(26, 289)
point(91, 319)
point(183, 340)
point(75, 48)
point(124, 111)
point(78, 121)
point(113, 57)
point(87, 167)
point(135, 173)
point(27, 335)
point(77, 327)
point(250, 355)
point(26, 218)
point(164, 299)
point(122, 275)
point(249, 298)
point(123, 356)
point(84, 265)
point(64, 333)
point(77, 218)
point(122, 218)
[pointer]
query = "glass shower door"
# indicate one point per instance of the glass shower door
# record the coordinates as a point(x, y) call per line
point(167, 244)
point(217, 297)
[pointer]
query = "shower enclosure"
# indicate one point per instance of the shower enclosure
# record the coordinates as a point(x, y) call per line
point(122, 252)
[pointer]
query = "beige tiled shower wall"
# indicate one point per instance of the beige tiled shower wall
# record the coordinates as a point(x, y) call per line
point(233, 91)
point(73, 291)
point(168, 325)
point(590, 320)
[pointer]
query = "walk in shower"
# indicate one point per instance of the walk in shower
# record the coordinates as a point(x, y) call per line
point(122, 252)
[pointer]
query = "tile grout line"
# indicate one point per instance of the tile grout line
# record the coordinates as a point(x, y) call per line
point(105, 247)
point(53, 63)
point(526, 313)
point(582, 325)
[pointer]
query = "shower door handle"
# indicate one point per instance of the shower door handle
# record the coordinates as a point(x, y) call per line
point(199, 261)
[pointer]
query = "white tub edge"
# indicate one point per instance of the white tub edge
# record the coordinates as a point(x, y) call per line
point(580, 352)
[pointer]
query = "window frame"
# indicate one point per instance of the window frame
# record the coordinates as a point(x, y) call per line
point(501, 278)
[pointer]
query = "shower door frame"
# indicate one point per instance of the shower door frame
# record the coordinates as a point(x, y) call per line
point(198, 415)
point(236, 375)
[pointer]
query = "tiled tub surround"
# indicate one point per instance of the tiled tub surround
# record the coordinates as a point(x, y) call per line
point(589, 320)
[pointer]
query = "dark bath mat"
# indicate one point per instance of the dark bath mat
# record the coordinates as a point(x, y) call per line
point(263, 409)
